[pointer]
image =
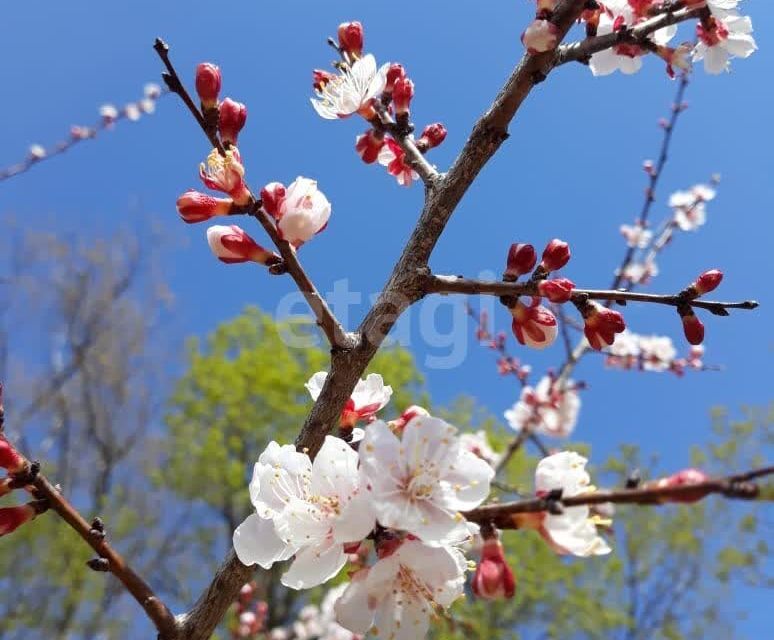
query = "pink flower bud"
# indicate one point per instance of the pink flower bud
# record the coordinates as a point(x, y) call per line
point(521, 260)
point(11, 518)
point(601, 325)
point(555, 255)
point(208, 84)
point(533, 325)
point(272, 196)
point(493, 579)
point(10, 459)
point(368, 145)
point(395, 72)
point(320, 78)
point(693, 328)
point(432, 135)
point(708, 281)
point(402, 95)
point(683, 478)
point(351, 38)
point(540, 36)
point(558, 290)
point(232, 116)
point(231, 244)
point(194, 206)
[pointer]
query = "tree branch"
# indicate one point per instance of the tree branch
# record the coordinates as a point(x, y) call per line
point(738, 486)
point(457, 284)
point(334, 332)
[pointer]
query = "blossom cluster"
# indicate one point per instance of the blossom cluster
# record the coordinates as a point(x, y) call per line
point(721, 34)
point(390, 498)
point(652, 353)
point(382, 96)
point(549, 408)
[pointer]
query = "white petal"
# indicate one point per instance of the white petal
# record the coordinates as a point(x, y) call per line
point(315, 384)
point(352, 608)
point(314, 565)
point(469, 481)
point(334, 470)
point(255, 542)
point(356, 521)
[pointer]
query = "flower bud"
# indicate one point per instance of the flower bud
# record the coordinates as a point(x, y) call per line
point(533, 325)
point(555, 255)
point(10, 459)
point(540, 36)
point(558, 290)
point(11, 518)
point(320, 78)
point(194, 206)
point(232, 116)
point(693, 328)
point(208, 84)
point(272, 196)
point(402, 95)
point(686, 477)
point(432, 136)
point(521, 260)
point(231, 245)
point(395, 72)
point(493, 579)
point(601, 325)
point(368, 145)
point(351, 38)
point(303, 213)
point(708, 281)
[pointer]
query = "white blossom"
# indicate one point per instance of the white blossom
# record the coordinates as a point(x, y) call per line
point(420, 482)
point(546, 410)
point(478, 444)
point(730, 37)
point(689, 209)
point(351, 90)
point(303, 212)
point(368, 398)
point(636, 235)
point(573, 531)
point(399, 594)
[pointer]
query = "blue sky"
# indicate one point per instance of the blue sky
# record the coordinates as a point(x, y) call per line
point(570, 169)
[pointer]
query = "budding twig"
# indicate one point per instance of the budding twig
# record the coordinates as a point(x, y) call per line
point(737, 486)
point(334, 332)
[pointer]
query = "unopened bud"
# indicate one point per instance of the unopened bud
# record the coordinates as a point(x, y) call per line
point(432, 136)
point(601, 325)
point(494, 578)
point(272, 196)
point(10, 459)
point(11, 518)
point(555, 255)
point(208, 84)
point(394, 73)
point(402, 95)
point(232, 116)
point(708, 281)
point(351, 38)
point(231, 245)
point(693, 328)
point(521, 260)
point(558, 290)
point(194, 206)
point(540, 36)
point(683, 478)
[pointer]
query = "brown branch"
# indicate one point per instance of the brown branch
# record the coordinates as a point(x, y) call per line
point(335, 333)
point(457, 284)
point(637, 35)
point(109, 559)
point(738, 486)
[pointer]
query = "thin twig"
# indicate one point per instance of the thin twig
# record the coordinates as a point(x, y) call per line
point(337, 336)
point(737, 486)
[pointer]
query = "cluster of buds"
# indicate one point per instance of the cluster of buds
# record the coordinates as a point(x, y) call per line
point(493, 579)
point(542, 34)
point(693, 328)
point(378, 95)
point(250, 614)
point(228, 116)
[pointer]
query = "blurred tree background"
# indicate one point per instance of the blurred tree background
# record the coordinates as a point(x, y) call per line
point(166, 467)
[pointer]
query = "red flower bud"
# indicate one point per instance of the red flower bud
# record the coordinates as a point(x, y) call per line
point(493, 578)
point(272, 196)
point(10, 459)
point(433, 135)
point(194, 206)
point(11, 518)
point(351, 38)
point(693, 328)
point(533, 325)
point(368, 145)
point(232, 116)
point(555, 255)
point(320, 78)
point(601, 325)
point(521, 260)
point(708, 281)
point(683, 478)
point(558, 290)
point(402, 95)
point(394, 73)
point(208, 84)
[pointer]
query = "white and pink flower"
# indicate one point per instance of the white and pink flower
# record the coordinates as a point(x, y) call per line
point(723, 38)
point(533, 325)
point(368, 398)
point(351, 91)
point(546, 409)
point(301, 210)
point(226, 173)
point(394, 158)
